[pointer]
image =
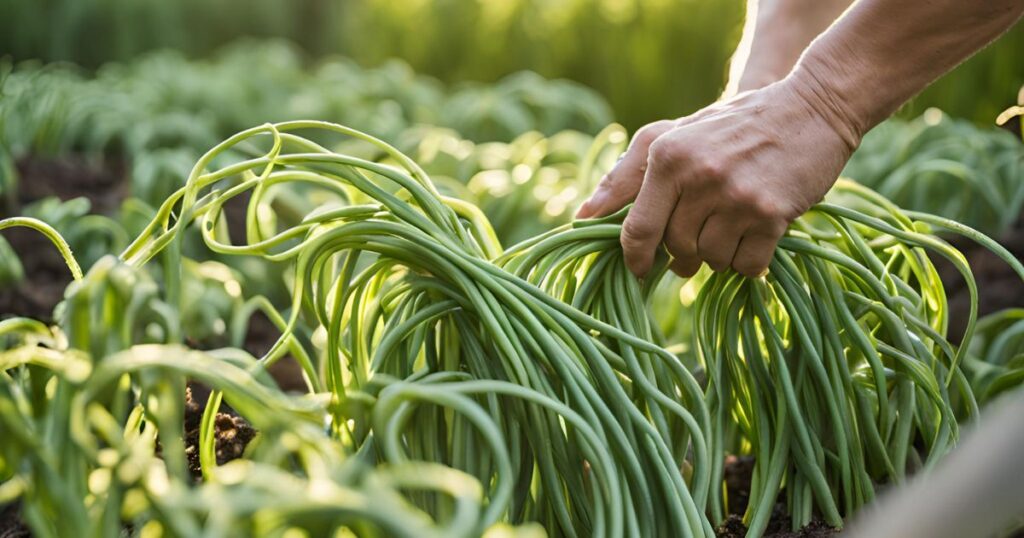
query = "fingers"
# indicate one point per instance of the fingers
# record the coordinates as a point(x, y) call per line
point(719, 239)
point(755, 251)
point(621, 185)
point(644, 227)
point(681, 235)
point(685, 267)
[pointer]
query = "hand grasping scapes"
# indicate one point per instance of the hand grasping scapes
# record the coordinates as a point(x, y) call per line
point(721, 186)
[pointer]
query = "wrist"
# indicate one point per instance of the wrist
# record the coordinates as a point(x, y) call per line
point(826, 93)
point(753, 79)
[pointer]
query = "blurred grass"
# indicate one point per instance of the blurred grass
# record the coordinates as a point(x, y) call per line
point(651, 58)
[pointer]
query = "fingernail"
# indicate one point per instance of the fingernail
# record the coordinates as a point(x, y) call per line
point(763, 273)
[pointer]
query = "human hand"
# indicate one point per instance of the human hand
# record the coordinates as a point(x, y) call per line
point(722, 185)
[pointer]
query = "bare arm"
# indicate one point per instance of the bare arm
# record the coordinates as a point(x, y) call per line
point(775, 33)
point(883, 52)
point(721, 186)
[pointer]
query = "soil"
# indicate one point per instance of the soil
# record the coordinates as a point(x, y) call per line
point(733, 527)
point(738, 472)
point(233, 433)
point(46, 275)
point(11, 524)
point(103, 182)
point(261, 337)
point(999, 287)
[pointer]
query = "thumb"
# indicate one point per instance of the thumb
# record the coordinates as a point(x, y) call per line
point(621, 185)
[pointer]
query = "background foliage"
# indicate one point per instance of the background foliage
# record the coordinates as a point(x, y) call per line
point(651, 58)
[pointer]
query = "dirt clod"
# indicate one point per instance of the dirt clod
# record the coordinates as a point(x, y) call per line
point(732, 527)
point(233, 434)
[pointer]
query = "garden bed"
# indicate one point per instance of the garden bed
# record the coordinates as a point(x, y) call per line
point(105, 185)
point(738, 472)
point(46, 278)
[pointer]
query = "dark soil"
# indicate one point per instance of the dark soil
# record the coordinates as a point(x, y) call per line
point(233, 434)
point(11, 524)
point(738, 472)
point(104, 183)
point(261, 337)
point(999, 287)
point(46, 275)
point(733, 527)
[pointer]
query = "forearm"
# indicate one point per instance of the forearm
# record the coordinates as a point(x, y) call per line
point(883, 52)
point(776, 32)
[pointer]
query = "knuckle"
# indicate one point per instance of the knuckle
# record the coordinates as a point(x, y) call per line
point(777, 228)
point(634, 232)
point(704, 246)
point(685, 268)
point(663, 152)
point(707, 167)
point(648, 133)
point(766, 210)
point(619, 185)
point(744, 196)
point(624, 187)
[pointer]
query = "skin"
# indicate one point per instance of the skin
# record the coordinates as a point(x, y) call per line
point(722, 185)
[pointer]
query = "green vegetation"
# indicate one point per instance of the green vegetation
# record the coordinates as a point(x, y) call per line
point(464, 385)
point(945, 166)
point(996, 360)
point(162, 111)
point(652, 59)
point(466, 359)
